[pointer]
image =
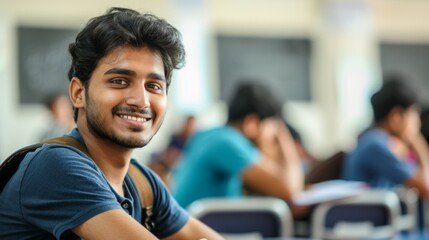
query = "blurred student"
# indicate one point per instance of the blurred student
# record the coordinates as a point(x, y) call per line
point(162, 163)
point(61, 116)
point(381, 155)
point(221, 161)
point(122, 64)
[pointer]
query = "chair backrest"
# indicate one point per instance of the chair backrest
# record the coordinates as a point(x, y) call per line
point(266, 216)
point(409, 208)
point(371, 215)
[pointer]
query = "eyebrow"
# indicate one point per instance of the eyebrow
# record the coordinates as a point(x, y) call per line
point(123, 71)
point(157, 76)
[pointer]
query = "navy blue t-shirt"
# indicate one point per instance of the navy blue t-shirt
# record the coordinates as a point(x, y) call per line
point(57, 188)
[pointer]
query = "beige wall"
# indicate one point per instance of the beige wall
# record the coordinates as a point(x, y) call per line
point(389, 20)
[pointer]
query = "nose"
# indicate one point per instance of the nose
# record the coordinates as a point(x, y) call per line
point(138, 97)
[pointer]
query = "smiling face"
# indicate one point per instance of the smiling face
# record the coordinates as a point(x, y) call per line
point(126, 99)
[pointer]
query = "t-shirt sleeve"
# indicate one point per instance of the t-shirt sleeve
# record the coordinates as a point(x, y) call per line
point(62, 188)
point(168, 216)
point(382, 162)
point(236, 153)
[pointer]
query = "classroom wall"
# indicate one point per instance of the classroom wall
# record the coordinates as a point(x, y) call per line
point(344, 68)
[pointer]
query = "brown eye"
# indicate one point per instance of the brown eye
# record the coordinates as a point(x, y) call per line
point(154, 86)
point(119, 81)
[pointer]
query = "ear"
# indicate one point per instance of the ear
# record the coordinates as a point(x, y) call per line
point(77, 93)
point(251, 126)
point(396, 120)
point(396, 114)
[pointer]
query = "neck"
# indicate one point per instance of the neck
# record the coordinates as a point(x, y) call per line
point(385, 126)
point(111, 158)
point(237, 125)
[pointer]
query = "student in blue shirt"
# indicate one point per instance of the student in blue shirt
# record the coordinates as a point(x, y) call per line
point(380, 157)
point(122, 64)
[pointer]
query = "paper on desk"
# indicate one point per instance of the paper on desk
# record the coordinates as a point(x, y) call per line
point(328, 191)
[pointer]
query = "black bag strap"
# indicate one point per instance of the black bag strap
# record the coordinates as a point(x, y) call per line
point(144, 191)
point(11, 164)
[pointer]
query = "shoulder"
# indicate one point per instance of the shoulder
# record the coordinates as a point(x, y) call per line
point(374, 153)
point(373, 141)
point(220, 143)
point(225, 136)
point(234, 142)
point(63, 163)
point(58, 155)
point(147, 172)
point(157, 186)
point(65, 181)
point(374, 136)
point(374, 148)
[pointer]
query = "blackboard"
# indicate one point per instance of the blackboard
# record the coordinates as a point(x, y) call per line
point(283, 64)
point(410, 61)
point(43, 62)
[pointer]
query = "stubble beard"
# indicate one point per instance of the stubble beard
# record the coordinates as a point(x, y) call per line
point(95, 126)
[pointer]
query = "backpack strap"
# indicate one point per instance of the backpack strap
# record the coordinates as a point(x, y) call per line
point(145, 194)
point(11, 164)
point(72, 142)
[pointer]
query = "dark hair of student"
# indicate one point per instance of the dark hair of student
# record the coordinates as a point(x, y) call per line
point(393, 93)
point(251, 97)
point(124, 27)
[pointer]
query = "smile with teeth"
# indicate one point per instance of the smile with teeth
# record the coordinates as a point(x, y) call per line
point(138, 119)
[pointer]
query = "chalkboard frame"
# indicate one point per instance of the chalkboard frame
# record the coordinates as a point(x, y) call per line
point(409, 61)
point(283, 63)
point(43, 61)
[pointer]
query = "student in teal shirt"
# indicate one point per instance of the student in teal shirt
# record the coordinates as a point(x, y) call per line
point(221, 161)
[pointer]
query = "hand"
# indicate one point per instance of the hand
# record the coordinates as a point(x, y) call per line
point(268, 137)
point(412, 124)
point(398, 147)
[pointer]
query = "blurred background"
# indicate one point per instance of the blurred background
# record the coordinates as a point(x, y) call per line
point(322, 58)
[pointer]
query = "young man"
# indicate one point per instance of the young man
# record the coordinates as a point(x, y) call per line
point(380, 158)
point(220, 162)
point(121, 68)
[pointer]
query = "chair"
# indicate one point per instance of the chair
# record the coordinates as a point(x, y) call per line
point(371, 215)
point(266, 216)
point(409, 209)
